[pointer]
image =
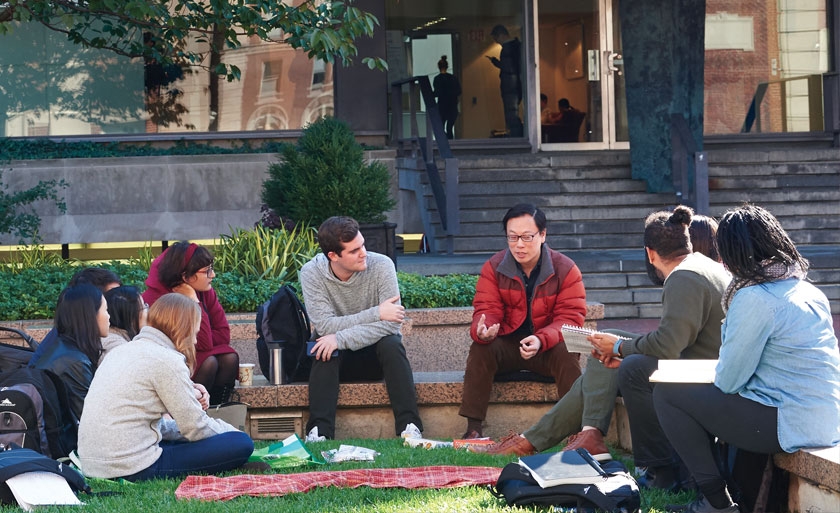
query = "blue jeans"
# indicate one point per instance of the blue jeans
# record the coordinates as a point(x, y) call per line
point(225, 451)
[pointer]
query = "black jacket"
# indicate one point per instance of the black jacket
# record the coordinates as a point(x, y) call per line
point(74, 369)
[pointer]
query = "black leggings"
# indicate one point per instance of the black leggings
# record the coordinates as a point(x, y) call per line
point(693, 414)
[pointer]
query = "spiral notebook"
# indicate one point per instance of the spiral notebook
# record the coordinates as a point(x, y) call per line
point(575, 338)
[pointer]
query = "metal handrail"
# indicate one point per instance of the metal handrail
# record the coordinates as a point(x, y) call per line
point(445, 193)
point(815, 97)
point(691, 190)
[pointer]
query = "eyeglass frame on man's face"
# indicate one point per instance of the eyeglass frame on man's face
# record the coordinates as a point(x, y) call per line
point(526, 238)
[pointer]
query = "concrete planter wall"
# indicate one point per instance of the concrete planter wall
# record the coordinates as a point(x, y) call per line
point(151, 198)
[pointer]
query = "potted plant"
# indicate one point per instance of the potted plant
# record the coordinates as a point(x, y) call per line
point(325, 175)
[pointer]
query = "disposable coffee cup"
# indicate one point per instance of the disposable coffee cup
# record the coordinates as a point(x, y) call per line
point(246, 374)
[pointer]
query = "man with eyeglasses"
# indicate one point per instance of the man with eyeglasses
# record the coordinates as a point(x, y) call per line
point(523, 297)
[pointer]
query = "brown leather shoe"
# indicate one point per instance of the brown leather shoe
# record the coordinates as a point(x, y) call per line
point(471, 434)
point(593, 441)
point(514, 443)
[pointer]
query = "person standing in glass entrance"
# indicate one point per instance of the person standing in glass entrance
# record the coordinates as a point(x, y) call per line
point(523, 297)
point(353, 299)
point(447, 91)
point(509, 78)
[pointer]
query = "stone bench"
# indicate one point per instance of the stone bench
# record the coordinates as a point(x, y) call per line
point(814, 479)
point(437, 342)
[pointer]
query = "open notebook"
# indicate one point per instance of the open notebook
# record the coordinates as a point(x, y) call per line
point(575, 338)
point(685, 371)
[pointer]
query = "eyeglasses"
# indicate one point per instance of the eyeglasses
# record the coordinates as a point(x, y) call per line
point(208, 271)
point(526, 237)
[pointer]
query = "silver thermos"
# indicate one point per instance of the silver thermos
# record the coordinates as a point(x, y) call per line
point(276, 366)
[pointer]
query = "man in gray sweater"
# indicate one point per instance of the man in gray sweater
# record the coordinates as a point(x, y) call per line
point(353, 300)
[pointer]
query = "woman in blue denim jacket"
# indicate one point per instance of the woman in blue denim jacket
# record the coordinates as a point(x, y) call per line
point(777, 384)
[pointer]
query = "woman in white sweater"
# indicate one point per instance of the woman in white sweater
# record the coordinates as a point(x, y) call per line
point(122, 432)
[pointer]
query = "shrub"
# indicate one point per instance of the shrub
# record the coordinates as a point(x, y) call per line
point(325, 175)
point(418, 291)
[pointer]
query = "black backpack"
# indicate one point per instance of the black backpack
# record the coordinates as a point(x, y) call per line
point(18, 461)
point(617, 492)
point(35, 412)
point(15, 356)
point(283, 320)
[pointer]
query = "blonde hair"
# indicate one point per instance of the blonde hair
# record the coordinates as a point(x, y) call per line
point(178, 317)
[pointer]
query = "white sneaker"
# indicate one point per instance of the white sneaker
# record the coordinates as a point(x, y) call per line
point(314, 437)
point(411, 431)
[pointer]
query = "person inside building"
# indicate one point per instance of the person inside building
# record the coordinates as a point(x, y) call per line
point(689, 328)
point(447, 90)
point(510, 81)
point(353, 299)
point(187, 268)
point(122, 433)
point(523, 297)
point(777, 381)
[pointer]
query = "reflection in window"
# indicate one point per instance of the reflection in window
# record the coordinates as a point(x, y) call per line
point(759, 44)
point(268, 118)
point(270, 78)
point(317, 108)
point(69, 90)
point(319, 73)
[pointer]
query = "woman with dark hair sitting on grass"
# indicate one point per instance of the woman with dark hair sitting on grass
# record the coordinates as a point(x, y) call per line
point(81, 319)
point(777, 383)
point(128, 314)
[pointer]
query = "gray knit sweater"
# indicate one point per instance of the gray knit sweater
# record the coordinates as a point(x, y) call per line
point(133, 387)
point(350, 309)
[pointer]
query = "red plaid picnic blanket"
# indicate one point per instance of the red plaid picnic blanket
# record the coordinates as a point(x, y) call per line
point(211, 488)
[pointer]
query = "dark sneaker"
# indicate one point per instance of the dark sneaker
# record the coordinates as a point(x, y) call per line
point(514, 443)
point(593, 441)
point(471, 434)
point(702, 505)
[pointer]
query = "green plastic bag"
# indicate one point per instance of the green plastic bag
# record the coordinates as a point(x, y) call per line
point(288, 453)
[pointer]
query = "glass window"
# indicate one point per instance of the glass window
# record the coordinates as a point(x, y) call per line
point(484, 59)
point(50, 87)
point(773, 52)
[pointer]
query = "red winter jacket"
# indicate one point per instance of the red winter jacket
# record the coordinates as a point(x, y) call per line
point(559, 297)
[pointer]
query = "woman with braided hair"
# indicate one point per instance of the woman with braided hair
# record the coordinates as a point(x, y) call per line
point(777, 384)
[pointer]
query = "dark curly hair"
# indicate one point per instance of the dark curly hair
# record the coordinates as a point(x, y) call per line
point(750, 235)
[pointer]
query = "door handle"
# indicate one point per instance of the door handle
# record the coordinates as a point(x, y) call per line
point(614, 60)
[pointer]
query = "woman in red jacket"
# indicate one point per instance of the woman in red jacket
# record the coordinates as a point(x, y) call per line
point(187, 268)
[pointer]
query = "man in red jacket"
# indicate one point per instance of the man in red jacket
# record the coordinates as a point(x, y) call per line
point(524, 295)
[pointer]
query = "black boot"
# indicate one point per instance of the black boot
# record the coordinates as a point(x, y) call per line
point(220, 395)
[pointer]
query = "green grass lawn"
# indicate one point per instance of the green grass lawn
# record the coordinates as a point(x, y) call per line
point(159, 495)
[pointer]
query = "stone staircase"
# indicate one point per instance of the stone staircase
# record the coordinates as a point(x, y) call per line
point(595, 212)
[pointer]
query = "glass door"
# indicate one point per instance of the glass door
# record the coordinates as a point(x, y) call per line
point(579, 75)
